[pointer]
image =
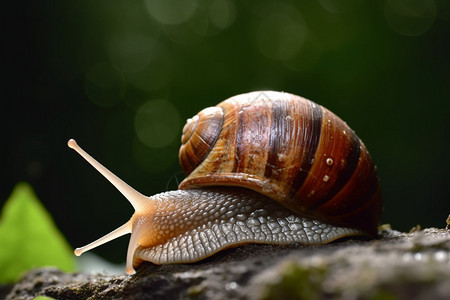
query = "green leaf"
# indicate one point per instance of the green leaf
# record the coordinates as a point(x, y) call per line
point(29, 237)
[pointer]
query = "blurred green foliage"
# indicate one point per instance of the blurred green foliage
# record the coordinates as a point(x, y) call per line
point(29, 238)
point(122, 76)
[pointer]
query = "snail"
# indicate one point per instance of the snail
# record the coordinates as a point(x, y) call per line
point(262, 167)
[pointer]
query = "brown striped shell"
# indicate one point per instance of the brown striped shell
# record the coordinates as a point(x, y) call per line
point(289, 149)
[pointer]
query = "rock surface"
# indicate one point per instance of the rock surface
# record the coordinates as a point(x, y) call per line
point(396, 266)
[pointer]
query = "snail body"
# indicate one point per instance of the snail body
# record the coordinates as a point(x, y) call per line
point(262, 167)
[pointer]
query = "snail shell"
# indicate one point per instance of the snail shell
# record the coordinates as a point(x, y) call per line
point(287, 148)
point(263, 167)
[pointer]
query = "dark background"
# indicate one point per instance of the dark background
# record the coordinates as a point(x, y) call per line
point(85, 69)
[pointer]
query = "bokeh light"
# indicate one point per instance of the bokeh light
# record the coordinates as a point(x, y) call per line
point(412, 17)
point(131, 51)
point(157, 123)
point(155, 75)
point(164, 12)
point(341, 6)
point(222, 13)
point(280, 36)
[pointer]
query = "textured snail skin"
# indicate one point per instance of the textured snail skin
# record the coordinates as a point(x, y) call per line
point(191, 225)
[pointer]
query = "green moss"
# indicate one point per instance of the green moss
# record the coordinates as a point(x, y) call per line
point(195, 290)
point(297, 282)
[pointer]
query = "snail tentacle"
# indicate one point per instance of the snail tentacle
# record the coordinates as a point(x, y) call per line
point(122, 230)
point(139, 201)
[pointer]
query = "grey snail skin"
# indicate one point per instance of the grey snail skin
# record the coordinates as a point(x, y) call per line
point(262, 167)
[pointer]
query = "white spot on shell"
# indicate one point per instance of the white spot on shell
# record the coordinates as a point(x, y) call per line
point(281, 156)
point(344, 132)
point(329, 161)
point(326, 178)
point(288, 118)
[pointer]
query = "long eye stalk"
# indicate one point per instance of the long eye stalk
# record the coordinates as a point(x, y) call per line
point(136, 199)
point(139, 202)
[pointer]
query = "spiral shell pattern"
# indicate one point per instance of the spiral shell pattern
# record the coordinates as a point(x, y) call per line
point(289, 149)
